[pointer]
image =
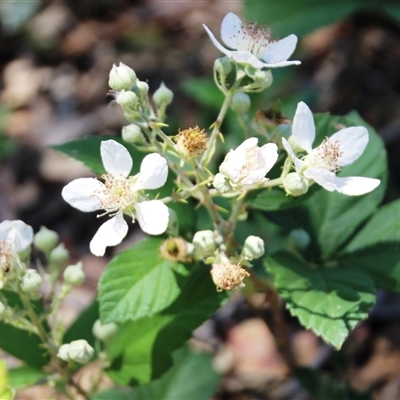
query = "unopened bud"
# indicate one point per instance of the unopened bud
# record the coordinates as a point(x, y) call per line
point(63, 352)
point(121, 77)
point(133, 134)
point(191, 142)
point(253, 248)
point(221, 183)
point(295, 184)
point(204, 242)
point(74, 274)
point(45, 240)
point(59, 255)
point(104, 332)
point(223, 65)
point(127, 100)
point(263, 78)
point(80, 351)
point(240, 102)
point(227, 276)
point(31, 281)
point(142, 87)
point(163, 96)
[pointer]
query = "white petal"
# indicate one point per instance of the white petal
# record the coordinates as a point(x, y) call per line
point(153, 172)
point(297, 163)
point(323, 177)
point(269, 154)
point(217, 44)
point(232, 31)
point(233, 164)
point(18, 233)
point(116, 158)
point(352, 143)
point(152, 216)
point(303, 129)
point(248, 144)
point(356, 185)
point(245, 57)
point(280, 50)
point(110, 233)
point(84, 194)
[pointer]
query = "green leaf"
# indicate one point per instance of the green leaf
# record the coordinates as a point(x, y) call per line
point(139, 283)
point(328, 300)
point(81, 328)
point(384, 226)
point(191, 377)
point(141, 350)
point(331, 218)
point(87, 151)
point(381, 262)
point(24, 376)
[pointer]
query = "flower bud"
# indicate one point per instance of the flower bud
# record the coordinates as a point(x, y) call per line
point(127, 100)
point(221, 183)
point(223, 65)
point(295, 184)
point(45, 240)
point(300, 237)
point(31, 281)
point(191, 142)
point(59, 255)
point(143, 88)
point(63, 352)
point(240, 102)
point(2, 310)
point(253, 248)
point(204, 242)
point(133, 134)
point(104, 332)
point(80, 351)
point(263, 78)
point(163, 96)
point(74, 274)
point(227, 276)
point(121, 77)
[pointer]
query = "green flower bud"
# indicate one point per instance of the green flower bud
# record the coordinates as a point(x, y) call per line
point(80, 351)
point(127, 100)
point(59, 255)
point(295, 184)
point(204, 242)
point(63, 352)
point(31, 281)
point(163, 96)
point(240, 102)
point(133, 134)
point(2, 310)
point(223, 65)
point(253, 248)
point(45, 240)
point(121, 77)
point(142, 87)
point(263, 78)
point(300, 237)
point(74, 274)
point(221, 183)
point(104, 332)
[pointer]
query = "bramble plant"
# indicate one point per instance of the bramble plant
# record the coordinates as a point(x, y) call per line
point(321, 185)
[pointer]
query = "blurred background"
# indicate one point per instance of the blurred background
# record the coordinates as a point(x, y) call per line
point(55, 57)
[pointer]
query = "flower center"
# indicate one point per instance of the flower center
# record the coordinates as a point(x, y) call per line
point(256, 38)
point(5, 255)
point(326, 156)
point(250, 162)
point(117, 194)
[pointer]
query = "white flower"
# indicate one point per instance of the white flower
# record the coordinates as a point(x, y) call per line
point(121, 194)
point(252, 44)
point(248, 164)
point(321, 164)
point(15, 237)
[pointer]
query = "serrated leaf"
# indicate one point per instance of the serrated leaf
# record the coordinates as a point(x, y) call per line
point(331, 218)
point(141, 350)
point(139, 283)
point(328, 300)
point(87, 150)
point(384, 226)
point(380, 261)
point(191, 377)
